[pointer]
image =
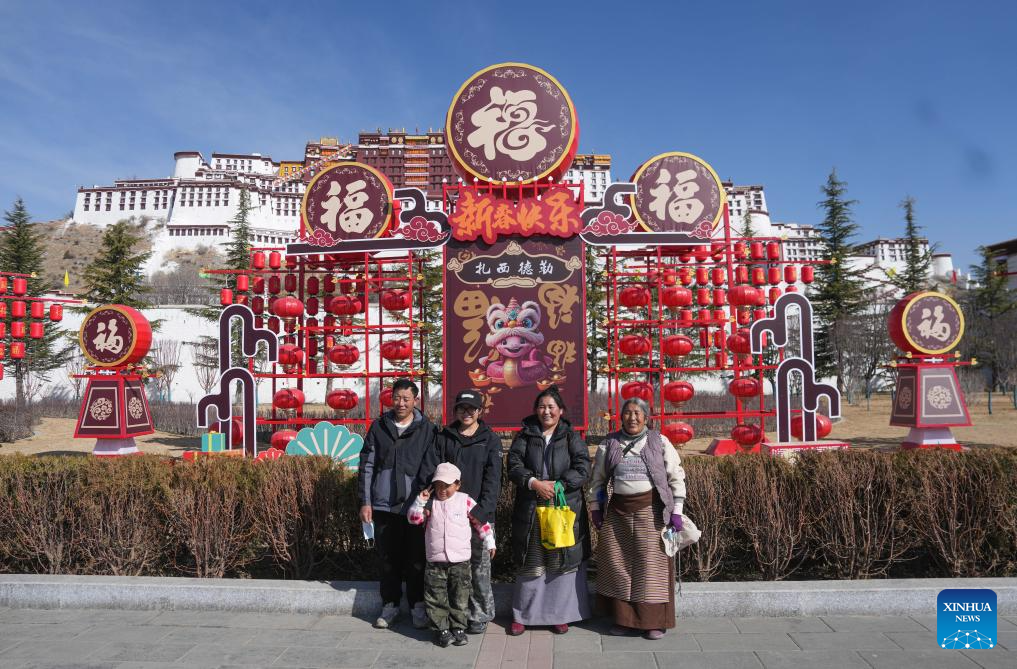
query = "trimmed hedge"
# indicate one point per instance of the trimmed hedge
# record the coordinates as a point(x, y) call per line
point(848, 514)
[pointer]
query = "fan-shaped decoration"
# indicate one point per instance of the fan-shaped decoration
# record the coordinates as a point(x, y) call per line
point(270, 454)
point(335, 441)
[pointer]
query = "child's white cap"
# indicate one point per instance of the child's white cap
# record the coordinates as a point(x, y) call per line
point(447, 473)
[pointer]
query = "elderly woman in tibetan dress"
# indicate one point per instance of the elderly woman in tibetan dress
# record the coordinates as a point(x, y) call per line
point(635, 577)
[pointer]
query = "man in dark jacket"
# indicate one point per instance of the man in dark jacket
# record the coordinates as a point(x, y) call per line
point(470, 445)
point(393, 452)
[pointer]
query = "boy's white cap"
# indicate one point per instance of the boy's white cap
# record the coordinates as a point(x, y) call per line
point(447, 473)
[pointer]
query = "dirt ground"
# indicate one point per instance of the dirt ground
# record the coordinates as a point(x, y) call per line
point(861, 427)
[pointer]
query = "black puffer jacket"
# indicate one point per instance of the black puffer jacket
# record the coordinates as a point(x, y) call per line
point(390, 462)
point(477, 456)
point(569, 463)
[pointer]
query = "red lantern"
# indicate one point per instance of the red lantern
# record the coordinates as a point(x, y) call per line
point(719, 297)
point(258, 260)
point(808, 274)
point(639, 389)
point(274, 260)
point(396, 300)
point(745, 387)
point(274, 285)
point(718, 276)
point(677, 392)
point(744, 316)
point(773, 251)
point(701, 253)
point(288, 398)
point(717, 250)
point(351, 287)
point(281, 439)
point(739, 342)
point(243, 282)
point(758, 276)
point(746, 435)
point(685, 318)
point(676, 345)
point(291, 262)
point(290, 283)
point(313, 284)
point(773, 275)
point(312, 305)
point(677, 432)
point(3, 284)
point(343, 354)
point(740, 250)
point(258, 305)
point(18, 329)
point(341, 400)
point(675, 296)
point(790, 274)
point(823, 426)
point(3, 329)
point(774, 294)
point(703, 296)
point(17, 309)
point(288, 307)
point(343, 305)
point(385, 397)
point(237, 432)
point(273, 324)
point(259, 284)
point(329, 285)
point(3, 351)
point(759, 314)
point(741, 274)
point(396, 349)
point(705, 338)
point(685, 275)
point(634, 345)
point(634, 296)
point(791, 289)
point(756, 250)
point(35, 330)
point(37, 309)
point(225, 296)
point(702, 276)
point(17, 350)
point(290, 354)
point(720, 359)
point(741, 296)
point(3, 310)
point(20, 286)
point(669, 277)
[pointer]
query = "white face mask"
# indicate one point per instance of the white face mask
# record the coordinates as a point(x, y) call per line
point(368, 531)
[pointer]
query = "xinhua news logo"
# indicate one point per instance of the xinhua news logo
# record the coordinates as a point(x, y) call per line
point(966, 618)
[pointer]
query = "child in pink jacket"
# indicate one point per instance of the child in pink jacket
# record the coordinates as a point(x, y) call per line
point(447, 581)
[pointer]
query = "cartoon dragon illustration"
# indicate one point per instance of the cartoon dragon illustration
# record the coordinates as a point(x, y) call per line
point(515, 335)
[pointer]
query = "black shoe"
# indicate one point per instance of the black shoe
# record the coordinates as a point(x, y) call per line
point(460, 638)
point(476, 628)
point(443, 639)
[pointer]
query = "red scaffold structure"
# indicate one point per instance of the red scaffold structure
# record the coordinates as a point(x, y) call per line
point(676, 315)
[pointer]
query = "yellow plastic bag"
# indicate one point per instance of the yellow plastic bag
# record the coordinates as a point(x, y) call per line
point(557, 521)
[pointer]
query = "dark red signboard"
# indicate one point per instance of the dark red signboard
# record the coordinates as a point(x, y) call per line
point(114, 335)
point(511, 123)
point(678, 193)
point(345, 202)
point(114, 408)
point(515, 324)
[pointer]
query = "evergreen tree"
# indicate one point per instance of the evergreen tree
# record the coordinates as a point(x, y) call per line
point(837, 292)
point(746, 230)
point(115, 275)
point(918, 262)
point(22, 252)
point(238, 257)
point(986, 306)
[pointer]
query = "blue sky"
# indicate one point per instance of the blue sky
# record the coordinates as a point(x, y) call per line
point(901, 97)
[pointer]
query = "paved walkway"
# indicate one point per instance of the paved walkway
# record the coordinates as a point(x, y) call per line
point(185, 639)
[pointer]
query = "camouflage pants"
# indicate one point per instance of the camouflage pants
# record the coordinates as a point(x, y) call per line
point(447, 594)
point(481, 595)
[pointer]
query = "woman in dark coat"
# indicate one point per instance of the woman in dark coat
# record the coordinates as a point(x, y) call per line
point(550, 586)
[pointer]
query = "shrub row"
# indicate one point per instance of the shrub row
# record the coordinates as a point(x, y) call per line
point(852, 514)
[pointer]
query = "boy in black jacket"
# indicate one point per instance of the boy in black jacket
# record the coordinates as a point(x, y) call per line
point(394, 451)
point(470, 445)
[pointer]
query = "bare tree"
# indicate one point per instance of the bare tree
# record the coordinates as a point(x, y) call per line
point(166, 360)
point(207, 374)
point(75, 368)
point(866, 346)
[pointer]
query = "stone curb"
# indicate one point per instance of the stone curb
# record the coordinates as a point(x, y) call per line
point(743, 599)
